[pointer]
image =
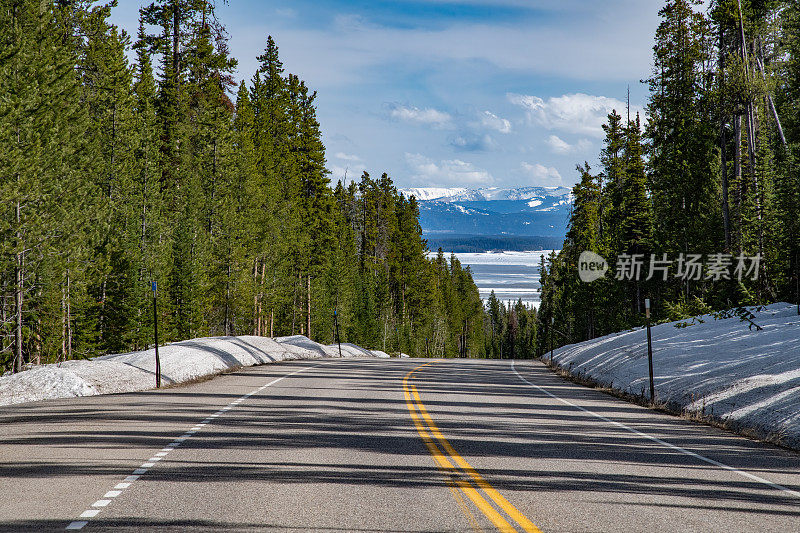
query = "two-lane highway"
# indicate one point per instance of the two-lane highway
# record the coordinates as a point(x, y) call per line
point(383, 445)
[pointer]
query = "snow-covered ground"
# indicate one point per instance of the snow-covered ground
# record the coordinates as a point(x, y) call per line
point(720, 368)
point(180, 362)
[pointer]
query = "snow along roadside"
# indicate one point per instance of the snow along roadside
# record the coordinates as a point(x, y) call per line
point(180, 362)
point(749, 380)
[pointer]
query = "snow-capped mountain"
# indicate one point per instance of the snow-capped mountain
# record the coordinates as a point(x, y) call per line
point(485, 194)
point(530, 211)
point(423, 194)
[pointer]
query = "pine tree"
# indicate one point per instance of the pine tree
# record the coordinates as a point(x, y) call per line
point(636, 223)
point(146, 197)
point(42, 161)
point(681, 139)
point(107, 82)
point(613, 175)
point(583, 235)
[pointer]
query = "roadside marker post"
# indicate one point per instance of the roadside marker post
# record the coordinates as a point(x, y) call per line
point(649, 350)
point(155, 335)
point(552, 325)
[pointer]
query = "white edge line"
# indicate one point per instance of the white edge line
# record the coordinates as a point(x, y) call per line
point(675, 447)
point(91, 513)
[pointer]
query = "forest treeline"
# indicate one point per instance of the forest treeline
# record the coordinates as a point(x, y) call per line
point(115, 174)
point(491, 243)
point(712, 169)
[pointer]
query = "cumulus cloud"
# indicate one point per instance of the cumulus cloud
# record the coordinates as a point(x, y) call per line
point(493, 122)
point(447, 172)
point(415, 115)
point(578, 113)
point(560, 146)
point(542, 175)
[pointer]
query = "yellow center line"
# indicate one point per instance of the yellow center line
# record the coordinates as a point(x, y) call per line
point(447, 466)
point(463, 505)
point(498, 498)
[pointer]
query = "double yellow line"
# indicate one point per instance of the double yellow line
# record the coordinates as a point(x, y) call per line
point(461, 475)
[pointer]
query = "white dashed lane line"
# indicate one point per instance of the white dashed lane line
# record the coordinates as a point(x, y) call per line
point(119, 488)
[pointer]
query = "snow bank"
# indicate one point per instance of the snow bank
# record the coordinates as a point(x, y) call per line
point(180, 362)
point(719, 368)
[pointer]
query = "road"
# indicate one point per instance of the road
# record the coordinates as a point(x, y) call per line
point(383, 445)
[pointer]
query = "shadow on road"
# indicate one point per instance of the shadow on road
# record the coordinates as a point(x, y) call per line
point(482, 407)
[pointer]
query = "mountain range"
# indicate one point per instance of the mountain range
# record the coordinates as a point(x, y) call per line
point(522, 211)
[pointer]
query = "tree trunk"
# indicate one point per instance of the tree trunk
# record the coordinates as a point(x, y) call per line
point(103, 312)
point(294, 301)
point(751, 139)
point(63, 355)
point(19, 280)
point(69, 318)
point(726, 217)
point(308, 315)
point(771, 103)
point(737, 172)
point(176, 40)
point(256, 325)
point(228, 300)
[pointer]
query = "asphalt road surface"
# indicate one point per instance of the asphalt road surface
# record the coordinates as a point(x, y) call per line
point(383, 445)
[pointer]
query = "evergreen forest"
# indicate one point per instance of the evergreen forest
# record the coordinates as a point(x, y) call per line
point(712, 169)
point(127, 160)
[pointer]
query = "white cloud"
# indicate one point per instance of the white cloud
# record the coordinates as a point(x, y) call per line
point(542, 175)
point(493, 122)
point(347, 157)
point(574, 113)
point(447, 172)
point(560, 146)
point(427, 116)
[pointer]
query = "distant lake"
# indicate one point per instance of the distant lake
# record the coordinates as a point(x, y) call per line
point(512, 275)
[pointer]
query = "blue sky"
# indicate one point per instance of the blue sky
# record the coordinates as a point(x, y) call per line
point(473, 93)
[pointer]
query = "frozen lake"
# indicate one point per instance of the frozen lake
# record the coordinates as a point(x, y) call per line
point(512, 275)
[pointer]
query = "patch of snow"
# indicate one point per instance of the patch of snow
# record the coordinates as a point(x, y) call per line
point(719, 368)
point(180, 362)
